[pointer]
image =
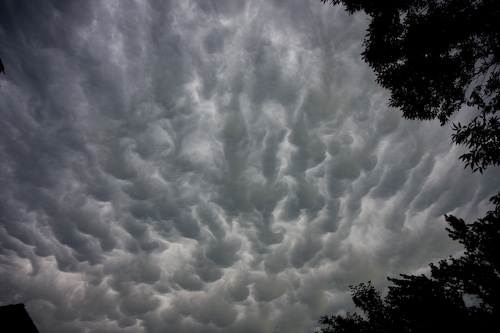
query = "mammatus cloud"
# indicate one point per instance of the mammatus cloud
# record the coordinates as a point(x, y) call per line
point(215, 166)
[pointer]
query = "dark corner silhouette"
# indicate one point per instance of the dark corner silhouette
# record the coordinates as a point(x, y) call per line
point(15, 319)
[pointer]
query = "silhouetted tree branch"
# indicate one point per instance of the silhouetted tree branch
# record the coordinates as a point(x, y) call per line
point(460, 295)
point(2, 68)
point(435, 57)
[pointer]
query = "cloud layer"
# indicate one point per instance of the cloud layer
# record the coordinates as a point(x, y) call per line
point(215, 166)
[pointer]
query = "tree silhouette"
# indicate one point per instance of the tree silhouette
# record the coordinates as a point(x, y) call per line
point(436, 57)
point(460, 295)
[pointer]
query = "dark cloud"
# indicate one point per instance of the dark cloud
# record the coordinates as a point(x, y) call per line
point(208, 166)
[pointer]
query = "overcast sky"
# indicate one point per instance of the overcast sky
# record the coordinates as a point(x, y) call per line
point(208, 166)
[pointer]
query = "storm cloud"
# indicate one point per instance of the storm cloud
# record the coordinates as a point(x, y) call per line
point(214, 166)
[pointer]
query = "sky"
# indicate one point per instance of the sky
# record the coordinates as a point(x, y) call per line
point(209, 166)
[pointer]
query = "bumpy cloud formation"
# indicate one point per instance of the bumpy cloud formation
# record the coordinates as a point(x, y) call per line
point(215, 166)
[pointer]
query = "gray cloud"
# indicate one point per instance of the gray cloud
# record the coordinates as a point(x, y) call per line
point(208, 166)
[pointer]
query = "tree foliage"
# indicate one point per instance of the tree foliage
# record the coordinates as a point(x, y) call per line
point(437, 57)
point(460, 295)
